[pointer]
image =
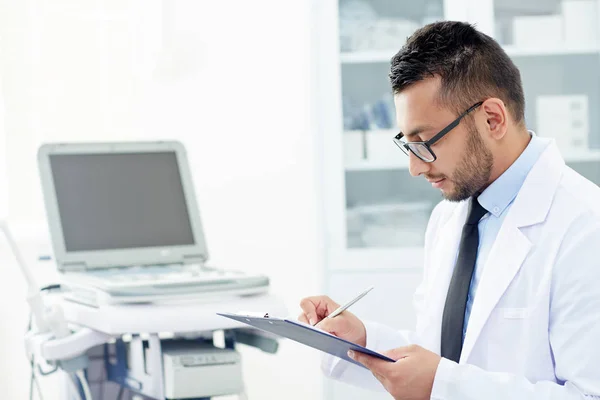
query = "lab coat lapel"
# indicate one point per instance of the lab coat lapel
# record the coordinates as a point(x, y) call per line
point(504, 261)
point(511, 246)
point(442, 262)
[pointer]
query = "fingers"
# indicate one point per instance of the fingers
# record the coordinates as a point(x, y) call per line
point(372, 363)
point(317, 307)
point(330, 325)
point(336, 326)
point(400, 352)
point(302, 318)
point(309, 309)
point(379, 377)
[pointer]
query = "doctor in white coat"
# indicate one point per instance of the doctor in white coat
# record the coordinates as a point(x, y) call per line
point(509, 307)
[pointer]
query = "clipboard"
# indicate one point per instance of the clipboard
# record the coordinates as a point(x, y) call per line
point(307, 335)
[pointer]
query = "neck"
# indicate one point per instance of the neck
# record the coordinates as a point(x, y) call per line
point(510, 149)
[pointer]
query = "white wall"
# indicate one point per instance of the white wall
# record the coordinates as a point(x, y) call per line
point(232, 81)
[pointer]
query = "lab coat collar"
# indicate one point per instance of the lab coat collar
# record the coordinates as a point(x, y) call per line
point(530, 207)
point(500, 194)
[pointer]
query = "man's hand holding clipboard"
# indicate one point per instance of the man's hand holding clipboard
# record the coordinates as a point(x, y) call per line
point(337, 332)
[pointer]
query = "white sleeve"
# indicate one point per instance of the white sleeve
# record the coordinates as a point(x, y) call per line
point(574, 336)
point(465, 381)
point(380, 337)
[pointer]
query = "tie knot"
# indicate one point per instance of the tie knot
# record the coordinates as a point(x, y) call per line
point(476, 211)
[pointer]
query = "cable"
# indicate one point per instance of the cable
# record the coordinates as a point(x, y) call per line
point(102, 383)
point(46, 373)
point(55, 286)
point(74, 386)
point(87, 393)
point(33, 379)
point(31, 360)
point(120, 396)
point(104, 376)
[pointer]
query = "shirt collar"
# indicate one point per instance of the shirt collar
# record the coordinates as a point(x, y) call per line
point(496, 197)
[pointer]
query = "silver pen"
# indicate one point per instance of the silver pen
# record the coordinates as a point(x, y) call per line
point(343, 308)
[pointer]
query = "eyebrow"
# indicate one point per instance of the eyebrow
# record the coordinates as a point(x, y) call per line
point(417, 130)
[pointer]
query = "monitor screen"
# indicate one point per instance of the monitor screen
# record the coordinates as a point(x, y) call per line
point(119, 201)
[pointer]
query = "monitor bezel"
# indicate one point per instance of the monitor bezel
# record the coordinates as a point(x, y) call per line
point(116, 258)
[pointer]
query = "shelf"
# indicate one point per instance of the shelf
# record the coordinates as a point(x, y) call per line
point(375, 259)
point(385, 56)
point(374, 271)
point(402, 162)
point(560, 50)
point(374, 165)
point(582, 156)
point(520, 7)
point(367, 56)
point(90, 15)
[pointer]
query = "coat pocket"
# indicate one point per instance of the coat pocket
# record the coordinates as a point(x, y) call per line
point(515, 313)
point(508, 338)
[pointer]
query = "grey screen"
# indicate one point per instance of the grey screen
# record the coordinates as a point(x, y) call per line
point(119, 201)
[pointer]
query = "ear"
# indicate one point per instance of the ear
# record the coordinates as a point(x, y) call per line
point(496, 117)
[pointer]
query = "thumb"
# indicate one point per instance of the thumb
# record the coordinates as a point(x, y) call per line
point(371, 363)
point(328, 325)
point(397, 353)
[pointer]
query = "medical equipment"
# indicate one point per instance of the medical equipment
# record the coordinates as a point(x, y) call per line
point(195, 370)
point(130, 334)
point(146, 247)
point(125, 226)
point(50, 326)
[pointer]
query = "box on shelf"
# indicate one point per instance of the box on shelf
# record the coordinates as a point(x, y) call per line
point(354, 149)
point(564, 118)
point(362, 30)
point(356, 17)
point(580, 23)
point(380, 147)
point(538, 30)
point(386, 33)
point(388, 225)
point(374, 115)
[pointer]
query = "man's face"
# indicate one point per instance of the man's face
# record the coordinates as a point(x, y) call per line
point(464, 162)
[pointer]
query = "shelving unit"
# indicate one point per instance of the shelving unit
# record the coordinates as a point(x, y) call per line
point(402, 162)
point(395, 160)
point(384, 56)
point(370, 165)
point(561, 50)
point(375, 56)
point(377, 260)
point(365, 176)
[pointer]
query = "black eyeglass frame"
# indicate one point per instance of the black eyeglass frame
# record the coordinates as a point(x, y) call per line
point(406, 146)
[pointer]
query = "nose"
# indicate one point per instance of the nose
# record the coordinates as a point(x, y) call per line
point(416, 166)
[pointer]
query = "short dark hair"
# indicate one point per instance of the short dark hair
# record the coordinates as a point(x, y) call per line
point(472, 67)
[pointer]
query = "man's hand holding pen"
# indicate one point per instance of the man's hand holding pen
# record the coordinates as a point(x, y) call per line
point(345, 325)
point(409, 378)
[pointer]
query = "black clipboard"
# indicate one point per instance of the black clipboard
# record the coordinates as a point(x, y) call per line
point(307, 335)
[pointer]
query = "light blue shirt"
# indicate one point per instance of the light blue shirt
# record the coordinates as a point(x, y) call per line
point(497, 200)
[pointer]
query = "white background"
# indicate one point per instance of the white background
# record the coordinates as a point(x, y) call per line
point(232, 81)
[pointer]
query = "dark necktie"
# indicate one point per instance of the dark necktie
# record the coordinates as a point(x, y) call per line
point(456, 301)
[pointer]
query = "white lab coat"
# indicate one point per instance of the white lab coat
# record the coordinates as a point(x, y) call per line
point(534, 329)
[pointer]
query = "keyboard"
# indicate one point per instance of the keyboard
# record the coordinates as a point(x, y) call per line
point(160, 273)
point(167, 280)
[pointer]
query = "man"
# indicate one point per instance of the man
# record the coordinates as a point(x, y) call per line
point(509, 307)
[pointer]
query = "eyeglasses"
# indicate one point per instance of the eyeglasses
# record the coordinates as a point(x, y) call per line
point(423, 149)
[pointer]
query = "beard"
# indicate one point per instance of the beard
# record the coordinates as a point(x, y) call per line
point(473, 172)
